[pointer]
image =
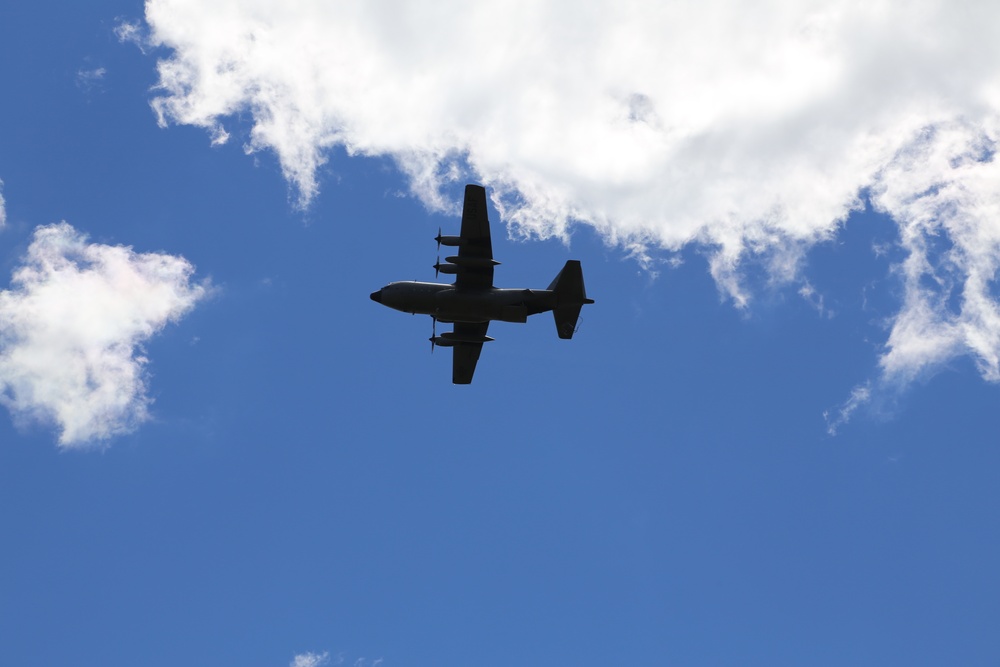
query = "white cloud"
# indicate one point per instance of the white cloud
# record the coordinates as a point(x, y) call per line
point(131, 32)
point(942, 192)
point(749, 128)
point(88, 80)
point(3, 207)
point(310, 660)
point(860, 395)
point(72, 326)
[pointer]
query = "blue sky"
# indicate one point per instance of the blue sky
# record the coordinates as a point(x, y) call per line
point(218, 451)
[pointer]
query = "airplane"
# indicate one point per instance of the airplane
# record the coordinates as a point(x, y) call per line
point(472, 302)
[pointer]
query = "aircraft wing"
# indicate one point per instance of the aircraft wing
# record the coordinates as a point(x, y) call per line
point(476, 248)
point(466, 355)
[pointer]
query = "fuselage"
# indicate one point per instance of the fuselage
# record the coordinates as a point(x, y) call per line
point(448, 303)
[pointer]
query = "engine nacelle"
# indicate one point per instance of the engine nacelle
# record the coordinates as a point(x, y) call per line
point(451, 339)
point(447, 268)
point(456, 337)
point(448, 240)
point(472, 262)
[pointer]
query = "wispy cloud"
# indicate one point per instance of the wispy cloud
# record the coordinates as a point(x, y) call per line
point(816, 300)
point(3, 207)
point(941, 189)
point(89, 80)
point(860, 395)
point(72, 326)
point(310, 660)
point(750, 129)
point(131, 32)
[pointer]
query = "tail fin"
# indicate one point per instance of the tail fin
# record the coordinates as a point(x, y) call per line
point(570, 297)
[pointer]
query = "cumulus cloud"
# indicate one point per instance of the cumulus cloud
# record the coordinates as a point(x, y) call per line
point(72, 326)
point(751, 129)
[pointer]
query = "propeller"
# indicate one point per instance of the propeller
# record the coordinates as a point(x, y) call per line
point(438, 239)
point(437, 267)
point(434, 322)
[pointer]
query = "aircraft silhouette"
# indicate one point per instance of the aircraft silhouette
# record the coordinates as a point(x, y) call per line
point(472, 302)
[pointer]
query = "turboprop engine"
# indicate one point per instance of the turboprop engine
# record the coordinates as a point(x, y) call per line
point(447, 240)
point(456, 263)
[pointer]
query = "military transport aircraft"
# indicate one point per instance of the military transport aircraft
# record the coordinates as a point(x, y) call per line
point(472, 301)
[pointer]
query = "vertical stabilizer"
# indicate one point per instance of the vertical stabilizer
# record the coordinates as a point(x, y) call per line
point(571, 295)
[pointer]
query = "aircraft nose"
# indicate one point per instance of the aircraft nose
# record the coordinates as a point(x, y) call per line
point(377, 296)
